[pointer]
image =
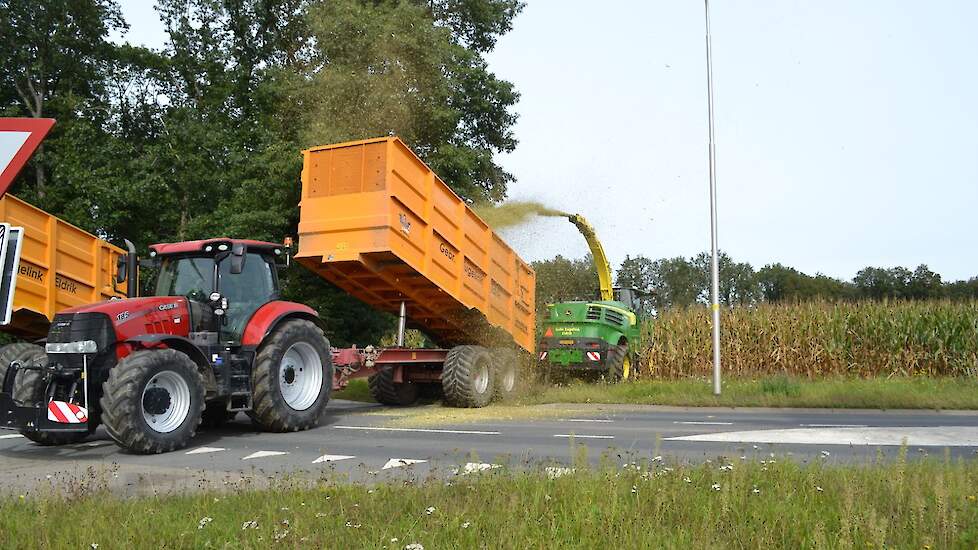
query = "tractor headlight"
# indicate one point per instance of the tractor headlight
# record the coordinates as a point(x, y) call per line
point(81, 346)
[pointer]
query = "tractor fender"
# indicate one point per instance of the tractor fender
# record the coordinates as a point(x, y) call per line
point(180, 344)
point(268, 316)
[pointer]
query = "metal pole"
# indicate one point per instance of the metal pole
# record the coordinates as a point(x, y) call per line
point(715, 264)
point(401, 325)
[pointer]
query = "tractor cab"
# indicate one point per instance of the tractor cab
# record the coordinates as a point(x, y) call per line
point(225, 281)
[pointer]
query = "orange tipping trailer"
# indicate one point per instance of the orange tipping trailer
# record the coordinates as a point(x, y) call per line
point(378, 223)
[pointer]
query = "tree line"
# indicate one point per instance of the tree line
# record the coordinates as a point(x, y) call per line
point(685, 281)
point(202, 137)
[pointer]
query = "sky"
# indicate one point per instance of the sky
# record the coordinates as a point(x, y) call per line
point(846, 131)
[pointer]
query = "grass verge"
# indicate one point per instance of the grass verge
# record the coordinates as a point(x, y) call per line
point(774, 391)
point(774, 504)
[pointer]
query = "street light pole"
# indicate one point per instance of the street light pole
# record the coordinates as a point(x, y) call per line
point(714, 264)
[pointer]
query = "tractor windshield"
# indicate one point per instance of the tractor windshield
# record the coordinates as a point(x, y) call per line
point(186, 276)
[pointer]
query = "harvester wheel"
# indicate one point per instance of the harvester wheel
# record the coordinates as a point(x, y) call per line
point(292, 378)
point(30, 389)
point(385, 390)
point(506, 373)
point(620, 367)
point(467, 377)
point(152, 401)
point(12, 352)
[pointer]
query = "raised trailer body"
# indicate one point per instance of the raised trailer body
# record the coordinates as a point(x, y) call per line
point(378, 223)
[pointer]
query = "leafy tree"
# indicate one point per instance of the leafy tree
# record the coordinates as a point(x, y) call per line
point(562, 279)
point(635, 273)
point(738, 282)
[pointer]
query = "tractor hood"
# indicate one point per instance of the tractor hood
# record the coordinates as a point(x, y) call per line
point(135, 316)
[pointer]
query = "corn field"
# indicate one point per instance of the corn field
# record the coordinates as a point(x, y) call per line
point(865, 339)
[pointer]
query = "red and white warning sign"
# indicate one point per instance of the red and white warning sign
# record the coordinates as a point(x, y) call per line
point(66, 413)
point(594, 356)
point(19, 138)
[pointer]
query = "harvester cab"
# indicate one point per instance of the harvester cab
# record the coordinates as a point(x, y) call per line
point(600, 336)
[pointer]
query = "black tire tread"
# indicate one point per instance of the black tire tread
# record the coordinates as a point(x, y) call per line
point(267, 412)
point(456, 377)
point(385, 391)
point(120, 413)
point(502, 358)
point(616, 363)
point(12, 352)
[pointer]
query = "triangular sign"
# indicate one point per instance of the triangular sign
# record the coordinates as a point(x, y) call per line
point(549, 333)
point(19, 138)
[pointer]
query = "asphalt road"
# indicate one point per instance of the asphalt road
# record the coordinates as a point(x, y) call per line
point(358, 441)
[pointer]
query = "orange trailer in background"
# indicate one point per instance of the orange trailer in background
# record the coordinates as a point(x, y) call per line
point(61, 266)
point(378, 223)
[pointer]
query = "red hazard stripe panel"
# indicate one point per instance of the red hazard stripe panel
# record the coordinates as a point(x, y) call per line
point(594, 356)
point(66, 413)
point(543, 355)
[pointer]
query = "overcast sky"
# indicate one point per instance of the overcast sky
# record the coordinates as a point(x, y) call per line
point(846, 130)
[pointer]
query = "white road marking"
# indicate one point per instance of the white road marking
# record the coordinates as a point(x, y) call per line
point(423, 430)
point(581, 436)
point(472, 467)
point(832, 425)
point(263, 454)
point(10, 436)
point(931, 436)
point(203, 450)
point(398, 462)
point(699, 423)
point(331, 458)
point(603, 420)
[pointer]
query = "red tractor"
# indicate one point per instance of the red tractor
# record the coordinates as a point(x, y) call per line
point(213, 340)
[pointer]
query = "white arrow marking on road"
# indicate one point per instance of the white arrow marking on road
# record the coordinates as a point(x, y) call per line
point(263, 454)
point(331, 458)
point(604, 420)
point(832, 425)
point(10, 436)
point(472, 467)
point(423, 430)
point(579, 436)
point(698, 423)
point(398, 462)
point(932, 436)
point(202, 450)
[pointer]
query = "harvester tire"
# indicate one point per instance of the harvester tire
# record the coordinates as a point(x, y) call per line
point(506, 373)
point(466, 377)
point(284, 373)
point(30, 390)
point(620, 366)
point(152, 401)
point(12, 352)
point(384, 390)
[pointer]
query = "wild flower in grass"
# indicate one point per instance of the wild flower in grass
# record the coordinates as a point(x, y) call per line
point(726, 467)
point(687, 480)
point(285, 522)
point(414, 546)
point(204, 521)
point(280, 536)
point(716, 486)
point(429, 510)
point(466, 525)
point(93, 546)
point(634, 489)
point(250, 524)
point(825, 454)
point(657, 458)
point(972, 498)
point(755, 490)
point(393, 540)
point(284, 509)
point(818, 488)
point(321, 514)
point(547, 498)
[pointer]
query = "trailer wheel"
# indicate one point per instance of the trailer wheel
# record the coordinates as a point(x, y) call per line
point(152, 401)
point(620, 367)
point(292, 378)
point(11, 353)
point(30, 389)
point(466, 377)
point(384, 390)
point(506, 373)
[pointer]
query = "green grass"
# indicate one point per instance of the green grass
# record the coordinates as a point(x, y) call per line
point(773, 391)
point(898, 504)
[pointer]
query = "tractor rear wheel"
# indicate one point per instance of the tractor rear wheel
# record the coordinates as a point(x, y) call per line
point(466, 377)
point(11, 353)
point(384, 390)
point(506, 373)
point(152, 401)
point(292, 378)
point(30, 389)
point(620, 366)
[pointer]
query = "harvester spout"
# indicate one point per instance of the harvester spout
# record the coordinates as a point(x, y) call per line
point(597, 252)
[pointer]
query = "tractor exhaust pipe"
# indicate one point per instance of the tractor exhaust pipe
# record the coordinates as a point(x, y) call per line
point(132, 289)
point(401, 325)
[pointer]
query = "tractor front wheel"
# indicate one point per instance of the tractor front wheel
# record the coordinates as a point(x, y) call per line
point(467, 377)
point(14, 352)
point(292, 378)
point(384, 390)
point(30, 389)
point(152, 401)
point(620, 366)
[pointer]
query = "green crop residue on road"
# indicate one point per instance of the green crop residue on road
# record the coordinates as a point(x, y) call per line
point(774, 503)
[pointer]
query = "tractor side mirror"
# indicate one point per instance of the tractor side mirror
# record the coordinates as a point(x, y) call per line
point(238, 256)
point(121, 271)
